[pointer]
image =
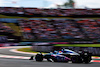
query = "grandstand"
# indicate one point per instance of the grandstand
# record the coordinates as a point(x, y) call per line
point(43, 12)
point(60, 29)
point(51, 28)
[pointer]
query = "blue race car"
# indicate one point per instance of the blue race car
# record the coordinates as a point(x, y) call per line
point(65, 55)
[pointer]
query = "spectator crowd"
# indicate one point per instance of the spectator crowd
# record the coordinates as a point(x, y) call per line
point(37, 12)
point(60, 29)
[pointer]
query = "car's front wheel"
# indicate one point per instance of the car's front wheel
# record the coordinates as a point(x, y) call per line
point(39, 57)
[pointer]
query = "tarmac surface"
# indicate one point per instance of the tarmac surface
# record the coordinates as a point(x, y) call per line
point(27, 63)
point(14, 62)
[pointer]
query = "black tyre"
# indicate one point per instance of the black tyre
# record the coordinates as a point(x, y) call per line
point(76, 59)
point(87, 60)
point(39, 57)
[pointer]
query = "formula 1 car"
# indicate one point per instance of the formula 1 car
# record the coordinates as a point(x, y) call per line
point(65, 55)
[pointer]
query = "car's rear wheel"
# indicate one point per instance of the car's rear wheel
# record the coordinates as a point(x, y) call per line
point(87, 60)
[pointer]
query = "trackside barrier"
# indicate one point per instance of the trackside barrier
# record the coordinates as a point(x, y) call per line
point(9, 20)
point(8, 44)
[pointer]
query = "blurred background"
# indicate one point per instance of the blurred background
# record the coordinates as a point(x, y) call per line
point(64, 23)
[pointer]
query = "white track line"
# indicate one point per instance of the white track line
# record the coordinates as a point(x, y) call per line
point(17, 57)
point(14, 47)
point(15, 50)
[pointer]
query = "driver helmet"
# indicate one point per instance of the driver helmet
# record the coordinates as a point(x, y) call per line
point(55, 52)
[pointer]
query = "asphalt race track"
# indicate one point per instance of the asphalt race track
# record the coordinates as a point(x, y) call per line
point(11, 62)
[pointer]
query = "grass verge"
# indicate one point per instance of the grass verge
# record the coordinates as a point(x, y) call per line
point(5, 16)
point(79, 45)
point(28, 50)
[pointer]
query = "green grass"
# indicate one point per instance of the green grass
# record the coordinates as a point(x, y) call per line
point(4, 16)
point(79, 45)
point(28, 50)
point(95, 56)
point(15, 28)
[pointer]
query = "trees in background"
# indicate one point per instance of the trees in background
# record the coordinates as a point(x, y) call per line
point(69, 4)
